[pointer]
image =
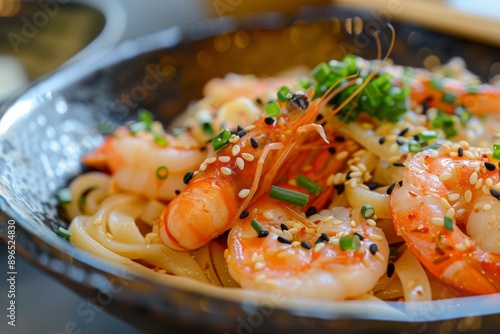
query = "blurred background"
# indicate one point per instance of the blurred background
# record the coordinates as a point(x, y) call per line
point(38, 37)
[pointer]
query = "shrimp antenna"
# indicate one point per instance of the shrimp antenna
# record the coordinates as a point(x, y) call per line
point(372, 74)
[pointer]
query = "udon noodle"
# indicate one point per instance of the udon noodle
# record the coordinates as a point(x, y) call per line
point(116, 213)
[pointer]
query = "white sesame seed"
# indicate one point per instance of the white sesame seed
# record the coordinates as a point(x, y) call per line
point(380, 257)
point(352, 223)
point(355, 174)
point(450, 213)
point(464, 144)
point(460, 246)
point(259, 265)
point(468, 195)
point(393, 158)
point(487, 207)
point(293, 230)
point(268, 215)
point(249, 127)
point(225, 170)
point(434, 153)
point(445, 176)
point(497, 186)
point(240, 163)
point(210, 160)
point(437, 221)
point(254, 257)
point(310, 230)
point(224, 158)
point(330, 180)
point(473, 178)
point(247, 156)
point(446, 148)
point(342, 155)
point(453, 154)
point(371, 222)
point(234, 139)
point(469, 154)
point(467, 242)
point(295, 243)
point(459, 165)
point(453, 197)
point(203, 166)
point(318, 247)
point(244, 193)
point(485, 190)
point(489, 182)
point(375, 237)
point(235, 150)
point(445, 202)
point(479, 184)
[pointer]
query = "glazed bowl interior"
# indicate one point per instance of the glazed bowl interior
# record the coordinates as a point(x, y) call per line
point(45, 131)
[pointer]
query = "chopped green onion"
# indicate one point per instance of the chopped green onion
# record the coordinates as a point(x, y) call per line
point(221, 139)
point(321, 72)
point(63, 232)
point(256, 225)
point(289, 196)
point(308, 184)
point(436, 83)
point(448, 223)
point(137, 127)
point(161, 141)
point(305, 83)
point(207, 129)
point(145, 116)
point(272, 109)
point(449, 97)
point(427, 135)
point(367, 211)
point(393, 253)
point(162, 172)
point(64, 196)
point(282, 93)
point(414, 146)
point(474, 89)
point(350, 243)
point(464, 115)
point(496, 151)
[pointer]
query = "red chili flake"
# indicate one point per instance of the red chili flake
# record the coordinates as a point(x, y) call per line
point(421, 229)
point(411, 216)
point(317, 221)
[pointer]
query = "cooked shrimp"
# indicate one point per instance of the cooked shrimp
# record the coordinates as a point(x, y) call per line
point(332, 255)
point(447, 93)
point(444, 192)
point(141, 164)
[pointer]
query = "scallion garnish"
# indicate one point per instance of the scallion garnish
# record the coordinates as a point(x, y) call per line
point(349, 243)
point(308, 184)
point(496, 151)
point(414, 146)
point(221, 139)
point(272, 109)
point(289, 196)
point(283, 94)
point(367, 211)
point(137, 127)
point(63, 232)
point(427, 135)
point(64, 196)
point(448, 223)
point(449, 97)
point(256, 225)
point(207, 129)
point(160, 140)
point(145, 116)
point(162, 172)
point(321, 72)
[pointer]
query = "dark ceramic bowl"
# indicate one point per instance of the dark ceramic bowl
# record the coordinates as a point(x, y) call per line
point(44, 131)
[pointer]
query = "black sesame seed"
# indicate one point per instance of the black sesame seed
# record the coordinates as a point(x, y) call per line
point(416, 137)
point(254, 142)
point(203, 148)
point(241, 133)
point(258, 100)
point(284, 240)
point(403, 132)
point(400, 142)
point(263, 233)
point(319, 117)
point(460, 152)
point(311, 211)
point(319, 240)
point(340, 188)
point(373, 249)
point(325, 237)
point(187, 177)
point(425, 105)
point(244, 214)
point(348, 176)
point(398, 164)
point(391, 188)
point(177, 191)
point(360, 236)
point(234, 132)
point(400, 183)
point(284, 227)
point(340, 139)
point(390, 269)
point(305, 244)
point(381, 140)
point(489, 166)
point(372, 185)
point(239, 128)
point(332, 150)
point(495, 193)
point(269, 120)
